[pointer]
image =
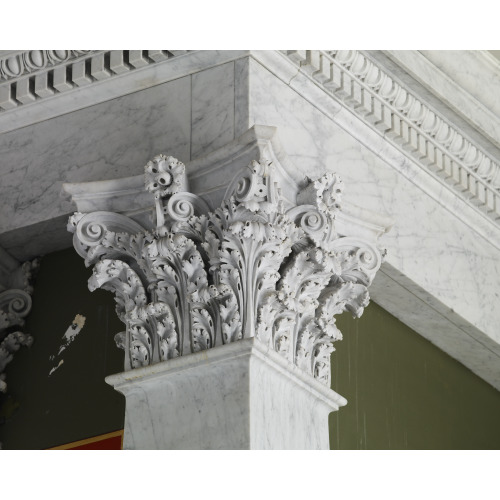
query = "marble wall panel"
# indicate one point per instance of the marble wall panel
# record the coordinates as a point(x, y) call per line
point(110, 140)
point(212, 109)
point(241, 95)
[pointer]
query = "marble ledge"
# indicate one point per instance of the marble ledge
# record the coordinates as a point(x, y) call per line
point(136, 126)
point(442, 327)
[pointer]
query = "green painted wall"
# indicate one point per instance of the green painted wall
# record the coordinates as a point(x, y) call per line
point(74, 402)
point(405, 393)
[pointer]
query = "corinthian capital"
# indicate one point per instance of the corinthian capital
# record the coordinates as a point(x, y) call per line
point(259, 265)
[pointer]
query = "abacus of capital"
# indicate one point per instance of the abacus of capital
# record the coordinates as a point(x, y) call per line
point(229, 301)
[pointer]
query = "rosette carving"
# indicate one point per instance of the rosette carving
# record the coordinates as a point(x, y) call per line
point(255, 266)
point(165, 175)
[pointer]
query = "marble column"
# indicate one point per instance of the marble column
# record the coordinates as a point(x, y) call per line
point(229, 312)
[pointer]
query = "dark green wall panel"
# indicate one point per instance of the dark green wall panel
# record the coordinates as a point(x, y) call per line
point(74, 402)
point(405, 393)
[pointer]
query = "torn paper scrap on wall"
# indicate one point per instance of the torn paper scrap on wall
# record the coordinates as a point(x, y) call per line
point(68, 337)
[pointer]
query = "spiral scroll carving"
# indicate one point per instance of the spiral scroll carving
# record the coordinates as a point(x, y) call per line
point(17, 302)
point(182, 206)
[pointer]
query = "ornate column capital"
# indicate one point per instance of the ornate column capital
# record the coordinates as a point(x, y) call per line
point(264, 264)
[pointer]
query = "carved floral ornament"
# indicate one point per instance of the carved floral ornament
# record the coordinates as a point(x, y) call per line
point(256, 266)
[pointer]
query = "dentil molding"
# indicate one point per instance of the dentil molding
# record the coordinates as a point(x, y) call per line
point(466, 80)
point(261, 264)
point(29, 76)
point(16, 64)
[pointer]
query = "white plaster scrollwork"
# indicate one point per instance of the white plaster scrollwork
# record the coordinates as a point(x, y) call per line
point(15, 305)
point(256, 266)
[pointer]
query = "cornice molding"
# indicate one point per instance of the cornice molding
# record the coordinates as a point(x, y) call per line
point(404, 119)
point(30, 76)
point(457, 85)
point(17, 64)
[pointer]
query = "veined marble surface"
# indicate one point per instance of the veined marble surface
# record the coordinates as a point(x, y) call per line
point(105, 85)
point(212, 109)
point(108, 141)
point(446, 263)
point(236, 396)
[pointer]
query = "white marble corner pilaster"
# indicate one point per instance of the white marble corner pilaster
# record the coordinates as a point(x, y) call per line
point(253, 285)
point(237, 396)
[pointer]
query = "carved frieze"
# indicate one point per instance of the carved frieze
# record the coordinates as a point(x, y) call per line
point(256, 266)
